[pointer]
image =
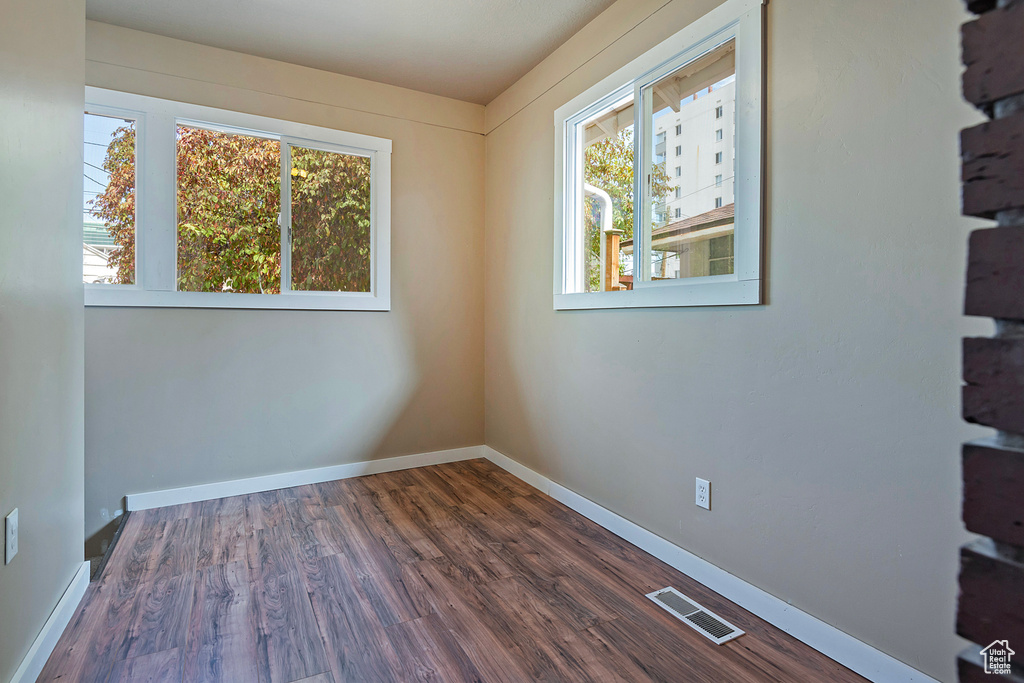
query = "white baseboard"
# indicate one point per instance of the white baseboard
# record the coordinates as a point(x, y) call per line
point(33, 663)
point(854, 654)
point(270, 482)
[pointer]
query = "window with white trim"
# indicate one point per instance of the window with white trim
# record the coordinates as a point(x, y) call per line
point(688, 239)
point(203, 207)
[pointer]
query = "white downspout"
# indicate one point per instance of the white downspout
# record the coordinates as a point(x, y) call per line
point(606, 222)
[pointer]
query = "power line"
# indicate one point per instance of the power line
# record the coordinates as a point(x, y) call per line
point(103, 185)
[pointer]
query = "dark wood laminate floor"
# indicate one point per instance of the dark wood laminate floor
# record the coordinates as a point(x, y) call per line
point(457, 572)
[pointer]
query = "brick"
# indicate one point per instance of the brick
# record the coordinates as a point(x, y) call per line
point(994, 491)
point(993, 166)
point(988, 360)
point(993, 406)
point(991, 605)
point(994, 372)
point(992, 55)
point(995, 273)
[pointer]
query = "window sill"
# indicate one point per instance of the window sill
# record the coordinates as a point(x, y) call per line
point(114, 295)
point(735, 292)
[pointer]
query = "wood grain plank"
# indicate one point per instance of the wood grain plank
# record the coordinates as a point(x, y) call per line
point(429, 653)
point(496, 654)
point(383, 517)
point(265, 510)
point(573, 658)
point(449, 536)
point(656, 659)
point(379, 573)
point(157, 667)
point(162, 615)
point(357, 646)
point(288, 643)
point(325, 677)
point(104, 620)
point(164, 599)
point(221, 539)
point(222, 638)
point(96, 621)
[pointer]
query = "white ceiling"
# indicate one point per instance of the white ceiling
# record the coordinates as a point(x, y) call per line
point(467, 49)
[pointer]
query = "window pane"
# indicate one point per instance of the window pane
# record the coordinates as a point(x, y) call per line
point(229, 196)
point(607, 197)
point(330, 221)
point(693, 211)
point(108, 225)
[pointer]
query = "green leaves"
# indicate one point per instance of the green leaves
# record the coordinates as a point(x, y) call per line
point(116, 206)
point(330, 222)
point(609, 165)
point(228, 203)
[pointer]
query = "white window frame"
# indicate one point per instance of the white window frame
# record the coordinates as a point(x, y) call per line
point(742, 20)
point(156, 228)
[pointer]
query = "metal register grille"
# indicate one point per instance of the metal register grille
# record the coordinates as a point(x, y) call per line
point(695, 616)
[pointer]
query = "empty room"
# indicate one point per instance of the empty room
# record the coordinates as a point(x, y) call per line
point(512, 340)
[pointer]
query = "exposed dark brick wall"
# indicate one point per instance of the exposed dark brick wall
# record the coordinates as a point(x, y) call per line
point(995, 274)
point(991, 603)
point(991, 53)
point(993, 489)
point(993, 166)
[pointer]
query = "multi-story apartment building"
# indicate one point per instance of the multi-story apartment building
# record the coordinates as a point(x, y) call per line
point(695, 147)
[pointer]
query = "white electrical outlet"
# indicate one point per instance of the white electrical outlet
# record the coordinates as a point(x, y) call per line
point(11, 546)
point(703, 493)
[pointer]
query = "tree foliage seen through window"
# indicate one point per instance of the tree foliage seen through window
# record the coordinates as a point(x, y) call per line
point(228, 206)
point(608, 164)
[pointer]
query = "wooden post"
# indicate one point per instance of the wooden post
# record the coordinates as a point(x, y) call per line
point(611, 260)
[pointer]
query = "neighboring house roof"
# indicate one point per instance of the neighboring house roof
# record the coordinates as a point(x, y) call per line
point(724, 215)
point(96, 234)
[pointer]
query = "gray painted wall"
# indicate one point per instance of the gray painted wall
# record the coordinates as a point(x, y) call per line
point(41, 375)
point(828, 420)
point(180, 396)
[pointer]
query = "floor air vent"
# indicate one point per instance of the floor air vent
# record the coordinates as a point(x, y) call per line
point(696, 617)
